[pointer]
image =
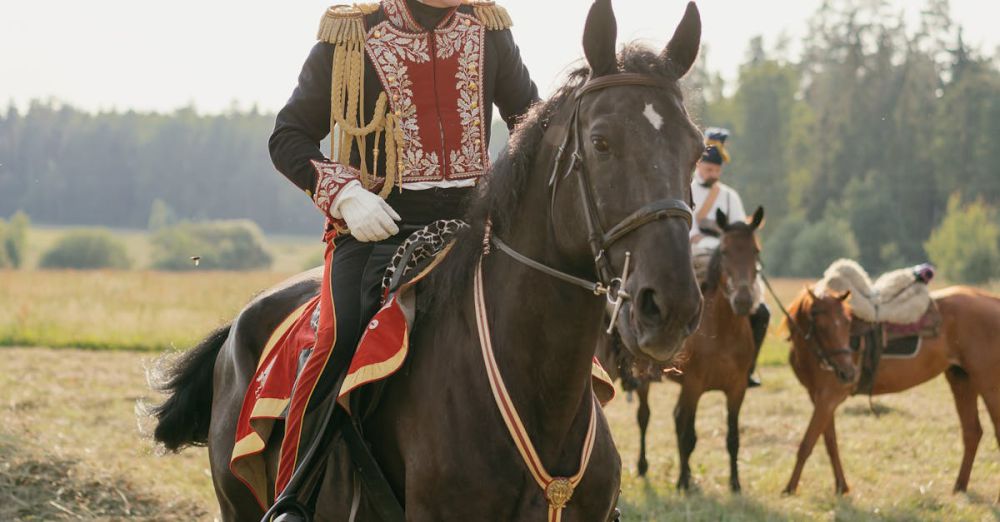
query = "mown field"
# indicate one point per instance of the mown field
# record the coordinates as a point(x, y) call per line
point(70, 443)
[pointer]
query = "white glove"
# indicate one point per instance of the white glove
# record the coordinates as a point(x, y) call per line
point(368, 216)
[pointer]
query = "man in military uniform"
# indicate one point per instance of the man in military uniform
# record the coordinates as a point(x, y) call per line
point(711, 195)
point(406, 88)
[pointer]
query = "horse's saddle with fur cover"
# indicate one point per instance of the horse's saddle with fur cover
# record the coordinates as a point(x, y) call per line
point(889, 316)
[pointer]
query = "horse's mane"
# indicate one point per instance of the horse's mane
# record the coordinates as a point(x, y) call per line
point(499, 195)
point(801, 304)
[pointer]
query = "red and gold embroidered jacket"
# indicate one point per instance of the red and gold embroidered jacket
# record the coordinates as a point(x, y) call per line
point(408, 91)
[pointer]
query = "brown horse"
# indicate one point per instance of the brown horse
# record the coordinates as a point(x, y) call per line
point(436, 432)
point(719, 354)
point(967, 351)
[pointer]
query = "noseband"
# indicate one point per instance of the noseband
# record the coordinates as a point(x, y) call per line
point(599, 239)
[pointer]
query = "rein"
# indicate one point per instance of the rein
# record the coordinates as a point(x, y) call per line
point(824, 356)
point(599, 240)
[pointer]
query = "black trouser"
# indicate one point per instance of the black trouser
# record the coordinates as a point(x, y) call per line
point(357, 269)
point(759, 321)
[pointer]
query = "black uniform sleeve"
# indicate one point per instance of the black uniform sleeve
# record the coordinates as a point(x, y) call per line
point(304, 121)
point(515, 92)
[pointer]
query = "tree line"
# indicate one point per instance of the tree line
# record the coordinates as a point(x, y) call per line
point(855, 147)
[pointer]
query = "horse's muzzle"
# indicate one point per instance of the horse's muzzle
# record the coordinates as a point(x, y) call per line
point(845, 375)
point(661, 325)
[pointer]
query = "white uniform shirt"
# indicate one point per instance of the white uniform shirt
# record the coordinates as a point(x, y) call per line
point(728, 201)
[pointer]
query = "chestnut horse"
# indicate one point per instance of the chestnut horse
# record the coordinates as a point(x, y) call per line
point(719, 354)
point(967, 351)
point(445, 447)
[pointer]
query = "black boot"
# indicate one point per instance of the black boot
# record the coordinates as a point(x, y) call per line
point(759, 321)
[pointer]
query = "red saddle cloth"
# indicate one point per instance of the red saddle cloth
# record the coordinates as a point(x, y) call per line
point(381, 352)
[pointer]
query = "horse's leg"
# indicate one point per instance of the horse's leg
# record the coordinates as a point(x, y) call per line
point(734, 401)
point(830, 441)
point(992, 399)
point(968, 415)
point(684, 416)
point(642, 416)
point(823, 408)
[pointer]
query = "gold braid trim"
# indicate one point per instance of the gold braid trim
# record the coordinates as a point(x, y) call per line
point(493, 16)
point(344, 27)
point(344, 23)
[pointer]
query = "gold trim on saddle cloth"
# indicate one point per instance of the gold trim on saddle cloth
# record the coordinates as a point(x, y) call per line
point(558, 490)
point(265, 410)
point(381, 370)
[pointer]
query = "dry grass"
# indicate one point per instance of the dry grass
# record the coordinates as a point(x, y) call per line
point(69, 444)
point(70, 449)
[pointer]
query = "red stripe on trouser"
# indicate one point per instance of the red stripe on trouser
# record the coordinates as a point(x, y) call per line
point(326, 336)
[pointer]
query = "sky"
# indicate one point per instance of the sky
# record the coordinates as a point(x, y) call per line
point(217, 54)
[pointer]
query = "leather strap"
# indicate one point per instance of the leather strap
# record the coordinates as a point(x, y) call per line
point(660, 209)
point(618, 80)
point(558, 490)
point(596, 288)
point(713, 194)
point(380, 494)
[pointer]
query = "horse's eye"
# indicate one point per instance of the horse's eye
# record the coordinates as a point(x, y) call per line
point(600, 144)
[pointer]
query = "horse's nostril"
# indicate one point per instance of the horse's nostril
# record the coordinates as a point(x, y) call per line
point(648, 309)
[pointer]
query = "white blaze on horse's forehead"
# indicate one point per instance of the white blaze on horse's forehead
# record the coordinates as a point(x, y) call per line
point(654, 117)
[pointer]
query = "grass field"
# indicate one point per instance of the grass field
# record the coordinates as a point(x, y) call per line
point(70, 447)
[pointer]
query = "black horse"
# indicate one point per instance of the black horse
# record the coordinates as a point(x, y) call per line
point(437, 432)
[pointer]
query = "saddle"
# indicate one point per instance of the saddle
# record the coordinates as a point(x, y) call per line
point(888, 317)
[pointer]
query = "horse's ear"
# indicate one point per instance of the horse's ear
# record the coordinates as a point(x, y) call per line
point(843, 297)
point(683, 47)
point(757, 221)
point(721, 218)
point(599, 37)
point(809, 290)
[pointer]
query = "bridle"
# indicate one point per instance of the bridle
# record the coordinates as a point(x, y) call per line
point(599, 239)
point(824, 355)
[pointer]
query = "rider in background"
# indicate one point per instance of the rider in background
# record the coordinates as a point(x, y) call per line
point(709, 195)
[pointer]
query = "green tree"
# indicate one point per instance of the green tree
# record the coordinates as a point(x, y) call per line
point(966, 247)
point(220, 245)
point(86, 249)
point(820, 243)
point(780, 244)
point(15, 238)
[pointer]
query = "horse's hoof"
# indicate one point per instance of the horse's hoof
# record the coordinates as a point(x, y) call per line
point(643, 467)
point(736, 488)
point(843, 490)
point(788, 492)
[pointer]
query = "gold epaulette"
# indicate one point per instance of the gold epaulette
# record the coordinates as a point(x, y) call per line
point(345, 23)
point(493, 16)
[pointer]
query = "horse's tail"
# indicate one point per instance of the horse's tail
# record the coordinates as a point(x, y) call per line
point(183, 419)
